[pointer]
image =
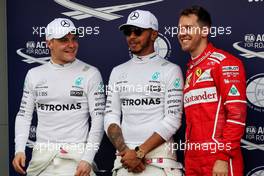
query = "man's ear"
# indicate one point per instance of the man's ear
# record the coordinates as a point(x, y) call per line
point(154, 35)
point(49, 43)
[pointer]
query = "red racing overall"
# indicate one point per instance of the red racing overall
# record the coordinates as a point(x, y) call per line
point(215, 107)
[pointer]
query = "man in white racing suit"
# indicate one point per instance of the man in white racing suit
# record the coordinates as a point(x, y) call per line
point(64, 92)
point(147, 92)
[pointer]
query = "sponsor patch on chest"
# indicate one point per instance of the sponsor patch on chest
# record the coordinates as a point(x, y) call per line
point(206, 76)
point(203, 95)
point(76, 93)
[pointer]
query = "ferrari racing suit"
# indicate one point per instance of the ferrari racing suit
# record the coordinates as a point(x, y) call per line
point(215, 107)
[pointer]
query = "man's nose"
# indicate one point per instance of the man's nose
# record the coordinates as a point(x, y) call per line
point(183, 31)
point(132, 35)
point(72, 43)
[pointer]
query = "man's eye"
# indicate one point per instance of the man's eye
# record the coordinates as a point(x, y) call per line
point(75, 39)
point(63, 40)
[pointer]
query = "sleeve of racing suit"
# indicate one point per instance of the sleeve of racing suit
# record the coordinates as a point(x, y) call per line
point(172, 104)
point(232, 85)
point(96, 103)
point(24, 116)
point(113, 103)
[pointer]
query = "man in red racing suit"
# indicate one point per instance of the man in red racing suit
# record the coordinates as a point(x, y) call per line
point(215, 108)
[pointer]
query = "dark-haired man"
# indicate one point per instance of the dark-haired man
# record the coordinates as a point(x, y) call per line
point(214, 100)
point(147, 91)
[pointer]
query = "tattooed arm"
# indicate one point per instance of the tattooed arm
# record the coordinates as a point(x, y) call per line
point(116, 137)
point(112, 117)
point(112, 127)
point(129, 158)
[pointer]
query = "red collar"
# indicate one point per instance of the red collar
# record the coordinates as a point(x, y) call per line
point(207, 52)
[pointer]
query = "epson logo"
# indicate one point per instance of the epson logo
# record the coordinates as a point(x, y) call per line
point(76, 93)
point(143, 101)
point(58, 107)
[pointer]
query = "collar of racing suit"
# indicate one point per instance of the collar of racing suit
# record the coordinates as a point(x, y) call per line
point(62, 66)
point(207, 52)
point(144, 59)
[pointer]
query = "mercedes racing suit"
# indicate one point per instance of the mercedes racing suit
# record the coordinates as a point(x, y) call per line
point(147, 91)
point(63, 96)
point(215, 107)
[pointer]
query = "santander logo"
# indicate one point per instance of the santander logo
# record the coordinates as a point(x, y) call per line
point(204, 95)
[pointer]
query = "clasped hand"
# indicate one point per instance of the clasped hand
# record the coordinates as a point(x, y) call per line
point(130, 161)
